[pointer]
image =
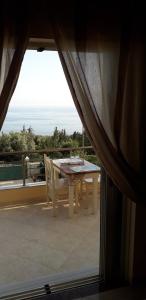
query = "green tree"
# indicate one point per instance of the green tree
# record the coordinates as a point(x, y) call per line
point(5, 143)
point(55, 138)
point(30, 141)
point(18, 141)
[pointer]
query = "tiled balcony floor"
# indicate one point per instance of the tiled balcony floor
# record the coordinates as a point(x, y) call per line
point(35, 244)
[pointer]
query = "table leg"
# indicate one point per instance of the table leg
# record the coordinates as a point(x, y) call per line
point(95, 181)
point(76, 194)
point(71, 199)
point(81, 188)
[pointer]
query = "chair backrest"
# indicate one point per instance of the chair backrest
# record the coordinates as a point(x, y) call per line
point(49, 172)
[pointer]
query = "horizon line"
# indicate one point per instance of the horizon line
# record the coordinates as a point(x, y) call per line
point(42, 106)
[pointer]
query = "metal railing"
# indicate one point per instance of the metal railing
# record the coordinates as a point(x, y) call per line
point(23, 159)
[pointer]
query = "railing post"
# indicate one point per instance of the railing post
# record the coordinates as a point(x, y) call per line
point(23, 168)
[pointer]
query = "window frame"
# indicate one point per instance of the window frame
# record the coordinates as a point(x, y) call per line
point(112, 232)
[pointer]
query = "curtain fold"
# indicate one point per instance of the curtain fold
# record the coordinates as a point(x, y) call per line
point(104, 64)
point(13, 44)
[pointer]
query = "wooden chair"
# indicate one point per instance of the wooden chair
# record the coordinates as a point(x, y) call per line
point(87, 190)
point(57, 189)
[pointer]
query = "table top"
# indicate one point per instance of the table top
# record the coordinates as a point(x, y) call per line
point(72, 166)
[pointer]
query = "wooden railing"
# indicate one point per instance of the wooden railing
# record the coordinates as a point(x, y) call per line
point(48, 150)
point(24, 154)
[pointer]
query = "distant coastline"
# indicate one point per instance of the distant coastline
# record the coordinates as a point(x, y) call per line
point(42, 120)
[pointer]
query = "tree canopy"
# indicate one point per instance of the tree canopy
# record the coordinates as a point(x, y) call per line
point(26, 140)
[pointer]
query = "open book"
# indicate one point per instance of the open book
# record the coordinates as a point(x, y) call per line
point(71, 161)
point(85, 168)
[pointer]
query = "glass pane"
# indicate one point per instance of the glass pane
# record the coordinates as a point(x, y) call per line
point(41, 117)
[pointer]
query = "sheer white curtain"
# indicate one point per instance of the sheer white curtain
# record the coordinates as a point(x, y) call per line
point(104, 63)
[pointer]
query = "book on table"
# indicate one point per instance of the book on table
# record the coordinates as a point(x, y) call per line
point(84, 168)
point(71, 161)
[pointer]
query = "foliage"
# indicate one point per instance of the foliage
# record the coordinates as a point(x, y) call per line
point(93, 159)
point(26, 140)
point(5, 143)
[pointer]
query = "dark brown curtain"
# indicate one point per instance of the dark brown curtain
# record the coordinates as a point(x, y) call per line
point(103, 54)
point(13, 43)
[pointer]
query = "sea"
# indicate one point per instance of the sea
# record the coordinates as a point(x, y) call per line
point(42, 120)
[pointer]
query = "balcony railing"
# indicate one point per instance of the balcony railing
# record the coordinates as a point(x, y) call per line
point(23, 167)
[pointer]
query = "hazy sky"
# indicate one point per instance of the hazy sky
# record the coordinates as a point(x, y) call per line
point(41, 82)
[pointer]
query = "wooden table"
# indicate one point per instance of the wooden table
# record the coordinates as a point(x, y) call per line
point(77, 169)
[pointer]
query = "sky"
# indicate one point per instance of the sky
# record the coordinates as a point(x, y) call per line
point(41, 82)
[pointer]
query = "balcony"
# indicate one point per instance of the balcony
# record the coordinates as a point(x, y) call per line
point(34, 244)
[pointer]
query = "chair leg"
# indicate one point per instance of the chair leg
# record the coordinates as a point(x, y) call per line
point(54, 203)
point(47, 194)
point(87, 202)
point(95, 194)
